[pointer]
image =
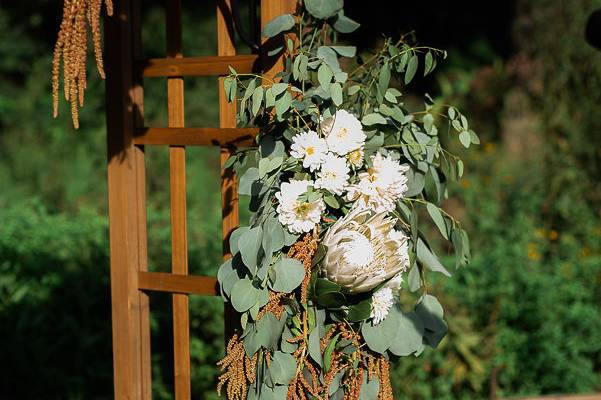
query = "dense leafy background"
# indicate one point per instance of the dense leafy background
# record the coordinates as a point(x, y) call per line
point(524, 317)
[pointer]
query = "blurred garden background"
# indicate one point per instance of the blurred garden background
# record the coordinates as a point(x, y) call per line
point(524, 316)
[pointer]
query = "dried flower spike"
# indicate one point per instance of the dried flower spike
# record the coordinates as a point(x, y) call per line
point(71, 46)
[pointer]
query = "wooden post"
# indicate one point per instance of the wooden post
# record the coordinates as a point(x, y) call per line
point(127, 190)
point(177, 184)
point(127, 207)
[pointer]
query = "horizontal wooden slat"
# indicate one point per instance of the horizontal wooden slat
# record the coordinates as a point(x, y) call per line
point(239, 137)
point(172, 283)
point(198, 66)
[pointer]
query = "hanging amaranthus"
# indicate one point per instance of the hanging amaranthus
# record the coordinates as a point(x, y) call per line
point(79, 17)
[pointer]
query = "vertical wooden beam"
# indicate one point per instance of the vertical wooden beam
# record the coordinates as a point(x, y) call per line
point(227, 119)
point(138, 111)
point(177, 184)
point(127, 215)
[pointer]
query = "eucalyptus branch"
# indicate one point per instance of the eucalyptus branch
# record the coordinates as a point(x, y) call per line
point(424, 202)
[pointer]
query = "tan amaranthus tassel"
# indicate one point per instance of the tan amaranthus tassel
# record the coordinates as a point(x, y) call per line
point(274, 305)
point(237, 370)
point(304, 250)
point(384, 375)
point(71, 46)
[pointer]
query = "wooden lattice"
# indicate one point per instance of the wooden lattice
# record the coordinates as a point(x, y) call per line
point(131, 282)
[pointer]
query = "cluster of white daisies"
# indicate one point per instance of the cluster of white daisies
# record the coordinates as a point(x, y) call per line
point(334, 157)
point(331, 156)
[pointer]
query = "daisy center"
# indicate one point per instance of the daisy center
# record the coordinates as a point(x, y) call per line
point(302, 209)
point(372, 175)
point(310, 151)
point(342, 133)
point(355, 157)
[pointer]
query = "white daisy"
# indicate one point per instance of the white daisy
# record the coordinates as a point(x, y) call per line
point(381, 186)
point(355, 157)
point(333, 175)
point(381, 303)
point(298, 216)
point(344, 132)
point(309, 147)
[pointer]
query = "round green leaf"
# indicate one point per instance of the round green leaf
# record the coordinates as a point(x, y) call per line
point(244, 295)
point(227, 277)
point(360, 311)
point(273, 393)
point(344, 24)
point(289, 274)
point(336, 93)
point(345, 51)
point(373, 118)
point(380, 337)
point(431, 314)
point(282, 368)
point(369, 389)
point(286, 346)
point(323, 9)
point(278, 25)
point(409, 337)
point(247, 179)
point(279, 88)
point(249, 244)
point(324, 75)
point(331, 299)
point(415, 182)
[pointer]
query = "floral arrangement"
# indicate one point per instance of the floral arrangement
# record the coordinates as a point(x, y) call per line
point(329, 277)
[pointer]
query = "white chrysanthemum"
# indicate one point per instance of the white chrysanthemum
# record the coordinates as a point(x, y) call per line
point(344, 132)
point(381, 186)
point(363, 251)
point(310, 148)
point(298, 216)
point(355, 157)
point(333, 175)
point(381, 303)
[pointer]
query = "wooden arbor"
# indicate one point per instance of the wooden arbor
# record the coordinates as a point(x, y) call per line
point(131, 283)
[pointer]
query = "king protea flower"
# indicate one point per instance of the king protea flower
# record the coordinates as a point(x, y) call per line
point(364, 250)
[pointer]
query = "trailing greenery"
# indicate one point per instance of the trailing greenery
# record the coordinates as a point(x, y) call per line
point(342, 169)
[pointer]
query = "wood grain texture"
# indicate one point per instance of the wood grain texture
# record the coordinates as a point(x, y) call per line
point(199, 66)
point(126, 210)
point(177, 185)
point(140, 170)
point(184, 284)
point(239, 137)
